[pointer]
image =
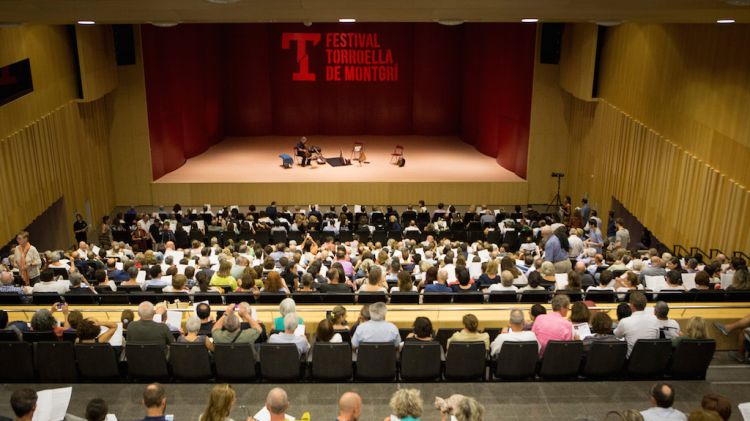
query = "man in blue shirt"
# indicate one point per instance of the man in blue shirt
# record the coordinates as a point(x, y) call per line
point(555, 252)
point(585, 209)
point(440, 286)
point(376, 329)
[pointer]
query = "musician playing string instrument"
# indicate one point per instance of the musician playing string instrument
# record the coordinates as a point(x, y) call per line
point(302, 151)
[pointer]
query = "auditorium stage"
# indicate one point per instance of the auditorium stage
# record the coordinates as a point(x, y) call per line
point(248, 170)
point(256, 160)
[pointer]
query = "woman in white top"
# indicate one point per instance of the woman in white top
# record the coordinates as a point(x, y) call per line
point(405, 284)
point(220, 403)
point(506, 283)
point(534, 278)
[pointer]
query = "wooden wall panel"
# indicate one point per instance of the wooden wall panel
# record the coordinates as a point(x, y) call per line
point(578, 59)
point(65, 154)
point(680, 197)
point(96, 55)
point(688, 82)
point(53, 72)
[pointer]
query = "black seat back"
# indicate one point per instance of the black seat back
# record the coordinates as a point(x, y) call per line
point(517, 360)
point(376, 361)
point(601, 296)
point(97, 362)
point(437, 297)
point(306, 297)
point(503, 297)
point(649, 358)
point(81, 299)
point(691, 358)
point(465, 361)
point(16, 362)
point(235, 362)
point(46, 298)
point(605, 359)
point(239, 297)
point(211, 297)
point(404, 297)
point(147, 361)
point(41, 336)
point(271, 297)
point(469, 298)
point(279, 362)
point(8, 335)
point(332, 361)
point(535, 297)
point(676, 297)
point(421, 361)
point(55, 362)
point(114, 298)
point(190, 361)
point(561, 359)
point(371, 297)
point(337, 298)
point(10, 298)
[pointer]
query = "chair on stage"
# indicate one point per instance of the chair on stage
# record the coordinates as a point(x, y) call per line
point(286, 160)
point(358, 153)
point(398, 155)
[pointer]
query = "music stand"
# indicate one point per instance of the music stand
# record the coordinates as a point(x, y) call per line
point(358, 153)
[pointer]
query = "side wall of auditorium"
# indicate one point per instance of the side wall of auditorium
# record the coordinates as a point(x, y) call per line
point(670, 135)
point(54, 141)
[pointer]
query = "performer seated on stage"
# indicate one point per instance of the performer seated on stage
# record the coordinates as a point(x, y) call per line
point(302, 151)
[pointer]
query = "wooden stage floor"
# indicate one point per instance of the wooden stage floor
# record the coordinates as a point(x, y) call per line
point(256, 160)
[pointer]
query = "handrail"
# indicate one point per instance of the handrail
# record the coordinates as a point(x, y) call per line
point(694, 251)
point(711, 253)
point(677, 248)
point(741, 254)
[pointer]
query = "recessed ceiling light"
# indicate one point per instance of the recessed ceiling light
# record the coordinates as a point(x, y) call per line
point(165, 24)
point(725, 21)
point(86, 22)
point(529, 20)
point(347, 20)
point(450, 22)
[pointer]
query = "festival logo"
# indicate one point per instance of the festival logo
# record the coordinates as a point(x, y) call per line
point(349, 57)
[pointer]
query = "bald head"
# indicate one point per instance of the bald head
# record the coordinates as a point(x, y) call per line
point(580, 267)
point(546, 231)
point(350, 406)
point(277, 401)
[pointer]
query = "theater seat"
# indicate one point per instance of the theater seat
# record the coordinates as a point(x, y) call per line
point(562, 359)
point(421, 361)
point(16, 362)
point(605, 359)
point(405, 298)
point(465, 361)
point(371, 297)
point(649, 358)
point(55, 362)
point(444, 333)
point(279, 362)
point(190, 362)
point(235, 362)
point(332, 361)
point(516, 361)
point(376, 361)
point(96, 362)
point(147, 362)
point(691, 358)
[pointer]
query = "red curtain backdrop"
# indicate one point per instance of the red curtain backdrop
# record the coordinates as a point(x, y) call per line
point(205, 82)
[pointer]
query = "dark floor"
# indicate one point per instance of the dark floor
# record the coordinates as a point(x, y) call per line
point(502, 401)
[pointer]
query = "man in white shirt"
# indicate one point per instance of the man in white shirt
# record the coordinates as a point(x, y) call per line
point(47, 283)
point(640, 325)
point(576, 243)
point(275, 408)
point(669, 327)
point(662, 398)
point(83, 250)
point(515, 333)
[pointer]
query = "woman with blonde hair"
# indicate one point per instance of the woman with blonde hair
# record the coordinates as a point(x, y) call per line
point(223, 278)
point(406, 405)
point(696, 328)
point(489, 277)
point(338, 318)
point(220, 403)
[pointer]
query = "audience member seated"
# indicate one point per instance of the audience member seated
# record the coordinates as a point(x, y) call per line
point(338, 318)
point(192, 333)
point(326, 333)
point(228, 329)
point(289, 336)
point(79, 286)
point(406, 405)
point(702, 282)
point(155, 401)
point(203, 285)
point(535, 283)
point(718, 403)
point(96, 410)
point(674, 282)
point(375, 281)
point(404, 283)
point(506, 283)
point(223, 278)
point(489, 277)
point(286, 306)
point(203, 311)
point(23, 403)
point(146, 330)
point(335, 283)
point(662, 399)
point(464, 281)
point(669, 328)
point(89, 331)
point(179, 285)
point(459, 408)
point(441, 282)
point(470, 333)
point(601, 329)
point(574, 283)
point(554, 326)
point(579, 315)
point(547, 270)
point(421, 331)
point(605, 278)
point(514, 333)
point(47, 283)
point(350, 407)
point(655, 269)
point(7, 287)
point(275, 407)
point(221, 400)
point(376, 329)
point(696, 328)
point(740, 280)
point(640, 324)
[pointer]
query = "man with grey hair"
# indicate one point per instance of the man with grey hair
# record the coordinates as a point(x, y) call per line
point(669, 328)
point(146, 330)
point(442, 283)
point(514, 333)
point(377, 329)
point(228, 329)
point(6, 286)
point(289, 336)
point(554, 326)
point(275, 408)
point(656, 269)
